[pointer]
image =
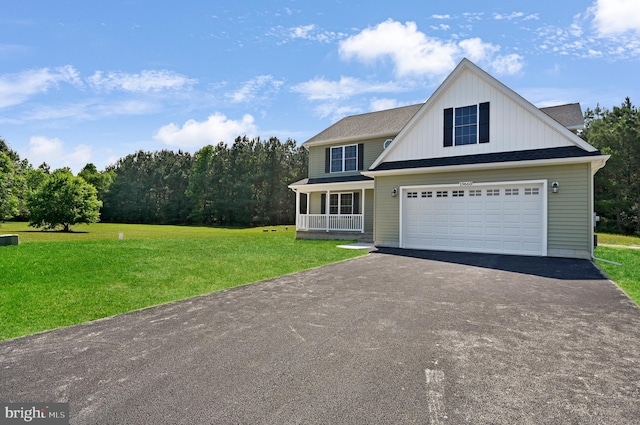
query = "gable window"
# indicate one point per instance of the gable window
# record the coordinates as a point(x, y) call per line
point(467, 125)
point(344, 158)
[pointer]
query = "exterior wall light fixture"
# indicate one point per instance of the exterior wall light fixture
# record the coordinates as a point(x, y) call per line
point(555, 186)
point(394, 192)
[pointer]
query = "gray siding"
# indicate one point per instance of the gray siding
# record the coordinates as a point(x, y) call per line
point(569, 215)
point(372, 149)
point(368, 210)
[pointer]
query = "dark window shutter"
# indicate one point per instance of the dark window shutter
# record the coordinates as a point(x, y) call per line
point(356, 202)
point(323, 203)
point(327, 160)
point(483, 127)
point(360, 156)
point(448, 127)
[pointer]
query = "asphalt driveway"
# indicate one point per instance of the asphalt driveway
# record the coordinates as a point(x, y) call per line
point(393, 337)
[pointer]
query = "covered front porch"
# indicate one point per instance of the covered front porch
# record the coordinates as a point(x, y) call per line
point(335, 207)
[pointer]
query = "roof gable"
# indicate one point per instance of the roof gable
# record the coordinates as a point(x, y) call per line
point(515, 123)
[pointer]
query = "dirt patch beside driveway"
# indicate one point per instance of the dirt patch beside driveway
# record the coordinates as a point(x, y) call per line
point(392, 337)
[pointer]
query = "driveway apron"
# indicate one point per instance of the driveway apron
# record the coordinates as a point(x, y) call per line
point(392, 337)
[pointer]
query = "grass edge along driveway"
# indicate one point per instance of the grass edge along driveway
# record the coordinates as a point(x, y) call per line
point(55, 279)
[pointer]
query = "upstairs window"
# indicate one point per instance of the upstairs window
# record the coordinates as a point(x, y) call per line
point(344, 158)
point(466, 125)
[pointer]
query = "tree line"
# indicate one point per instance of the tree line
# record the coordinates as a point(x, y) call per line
point(244, 184)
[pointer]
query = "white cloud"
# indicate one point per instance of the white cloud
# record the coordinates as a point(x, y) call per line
point(145, 81)
point(17, 88)
point(52, 151)
point(335, 111)
point(249, 91)
point(346, 87)
point(477, 50)
point(516, 15)
point(413, 53)
point(309, 32)
point(441, 16)
point(443, 27)
point(508, 17)
point(614, 17)
point(588, 36)
point(383, 104)
point(508, 64)
point(91, 109)
point(217, 128)
point(303, 31)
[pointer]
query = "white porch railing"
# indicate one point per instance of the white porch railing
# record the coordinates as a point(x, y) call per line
point(340, 222)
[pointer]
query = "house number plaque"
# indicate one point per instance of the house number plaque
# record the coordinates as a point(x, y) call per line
point(466, 183)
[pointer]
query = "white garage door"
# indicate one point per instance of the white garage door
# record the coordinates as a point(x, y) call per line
point(497, 218)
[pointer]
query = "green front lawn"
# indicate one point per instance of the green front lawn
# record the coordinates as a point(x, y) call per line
point(57, 279)
point(623, 252)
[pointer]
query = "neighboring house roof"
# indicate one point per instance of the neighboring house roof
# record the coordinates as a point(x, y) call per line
point(569, 115)
point(515, 156)
point(385, 123)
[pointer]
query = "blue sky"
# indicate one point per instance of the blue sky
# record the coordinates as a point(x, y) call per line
point(92, 81)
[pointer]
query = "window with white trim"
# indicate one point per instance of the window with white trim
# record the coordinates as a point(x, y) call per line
point(344, 158)
point(341, 203)
point(466, 125)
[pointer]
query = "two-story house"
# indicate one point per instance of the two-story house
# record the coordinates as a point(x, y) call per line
point(475, 168)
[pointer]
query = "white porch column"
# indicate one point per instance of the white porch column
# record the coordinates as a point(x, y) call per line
point(297, 208)
point(362, 211)
point(327, 208)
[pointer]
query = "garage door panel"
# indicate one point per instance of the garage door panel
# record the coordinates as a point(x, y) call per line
point(501, 219)
point(508, 231)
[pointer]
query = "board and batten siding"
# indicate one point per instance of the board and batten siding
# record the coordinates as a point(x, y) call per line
point(569, 216)
point(372, 149)
point(511, 126)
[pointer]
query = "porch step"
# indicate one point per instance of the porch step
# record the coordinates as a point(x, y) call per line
point(366, 237)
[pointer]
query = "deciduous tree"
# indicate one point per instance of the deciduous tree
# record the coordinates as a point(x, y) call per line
point(63, 200)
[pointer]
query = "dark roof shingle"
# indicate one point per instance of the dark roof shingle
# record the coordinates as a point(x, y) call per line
point(388, 122)
point(488, 158)
point(569, 115)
